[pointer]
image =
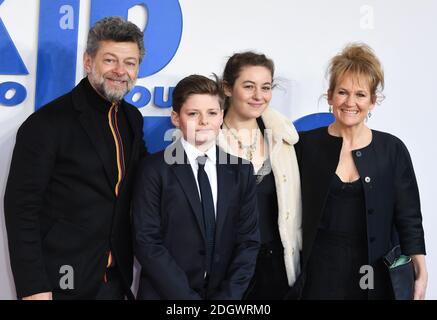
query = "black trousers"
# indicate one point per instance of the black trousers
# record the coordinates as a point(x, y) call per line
point(270, 279)
point(112, 289)
point(333, 270)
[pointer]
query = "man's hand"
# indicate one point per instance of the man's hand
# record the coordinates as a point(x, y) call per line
point(40, 296)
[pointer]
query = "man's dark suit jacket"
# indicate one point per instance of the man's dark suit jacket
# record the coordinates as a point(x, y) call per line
point(60, 203)
point(170, 241)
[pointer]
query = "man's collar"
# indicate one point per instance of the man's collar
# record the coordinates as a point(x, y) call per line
point(192, 152)
point(95, 99)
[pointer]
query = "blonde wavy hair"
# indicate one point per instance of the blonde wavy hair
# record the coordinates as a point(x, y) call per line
point(358, 60)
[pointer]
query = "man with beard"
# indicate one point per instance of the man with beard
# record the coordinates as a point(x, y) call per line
point(67, 200)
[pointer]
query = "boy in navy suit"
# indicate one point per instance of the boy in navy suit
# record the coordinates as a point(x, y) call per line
point(194, 207)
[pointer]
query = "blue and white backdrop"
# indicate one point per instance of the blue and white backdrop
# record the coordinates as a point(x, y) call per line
point(42, 42)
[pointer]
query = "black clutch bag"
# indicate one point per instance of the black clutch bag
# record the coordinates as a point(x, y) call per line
point(401, 270)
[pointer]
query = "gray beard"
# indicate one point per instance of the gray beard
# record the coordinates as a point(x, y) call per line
point(103, 89)
point(110, 95)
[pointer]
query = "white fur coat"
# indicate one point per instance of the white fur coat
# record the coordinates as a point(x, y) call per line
point(285, 169)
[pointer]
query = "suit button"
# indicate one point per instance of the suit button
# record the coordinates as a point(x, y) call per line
point(288, 214)
point(372, 239)
point(370, 211)
point(358, 154)
point(367, 179)
point(285, 177)
point(202, 252)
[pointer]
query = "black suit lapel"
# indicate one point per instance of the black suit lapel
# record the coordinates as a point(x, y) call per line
point(90, 125)
point(184, 173)
point(225, 180)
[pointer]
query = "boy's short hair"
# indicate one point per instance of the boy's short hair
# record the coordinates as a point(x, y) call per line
point(195, 84)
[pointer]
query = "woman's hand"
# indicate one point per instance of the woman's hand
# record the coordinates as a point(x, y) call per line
point(421, 276)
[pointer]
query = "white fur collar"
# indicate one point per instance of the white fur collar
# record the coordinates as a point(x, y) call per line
point(282, 128)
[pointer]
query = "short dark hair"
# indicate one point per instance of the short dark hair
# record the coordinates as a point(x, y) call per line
point(195, 84)
point(240, 60)
point(114, 29)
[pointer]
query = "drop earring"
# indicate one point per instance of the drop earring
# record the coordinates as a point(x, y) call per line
point(330, 109)
point(369, 114)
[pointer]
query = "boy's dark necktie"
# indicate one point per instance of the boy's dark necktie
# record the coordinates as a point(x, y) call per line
point(207, 208)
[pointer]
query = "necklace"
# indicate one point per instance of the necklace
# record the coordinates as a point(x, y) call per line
point(249, 149)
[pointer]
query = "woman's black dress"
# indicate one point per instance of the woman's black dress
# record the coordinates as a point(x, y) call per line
point(340, 248)
point(270, 279)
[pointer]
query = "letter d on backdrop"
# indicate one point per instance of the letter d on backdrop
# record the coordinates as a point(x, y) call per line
point(162, 33)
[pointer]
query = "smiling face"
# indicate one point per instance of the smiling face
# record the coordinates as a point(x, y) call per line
point(251, 93)
point(199, 120)
point(114, 69)
point(351, 100)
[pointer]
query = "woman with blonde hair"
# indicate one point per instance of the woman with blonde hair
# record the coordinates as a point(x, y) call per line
point(359, 192)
